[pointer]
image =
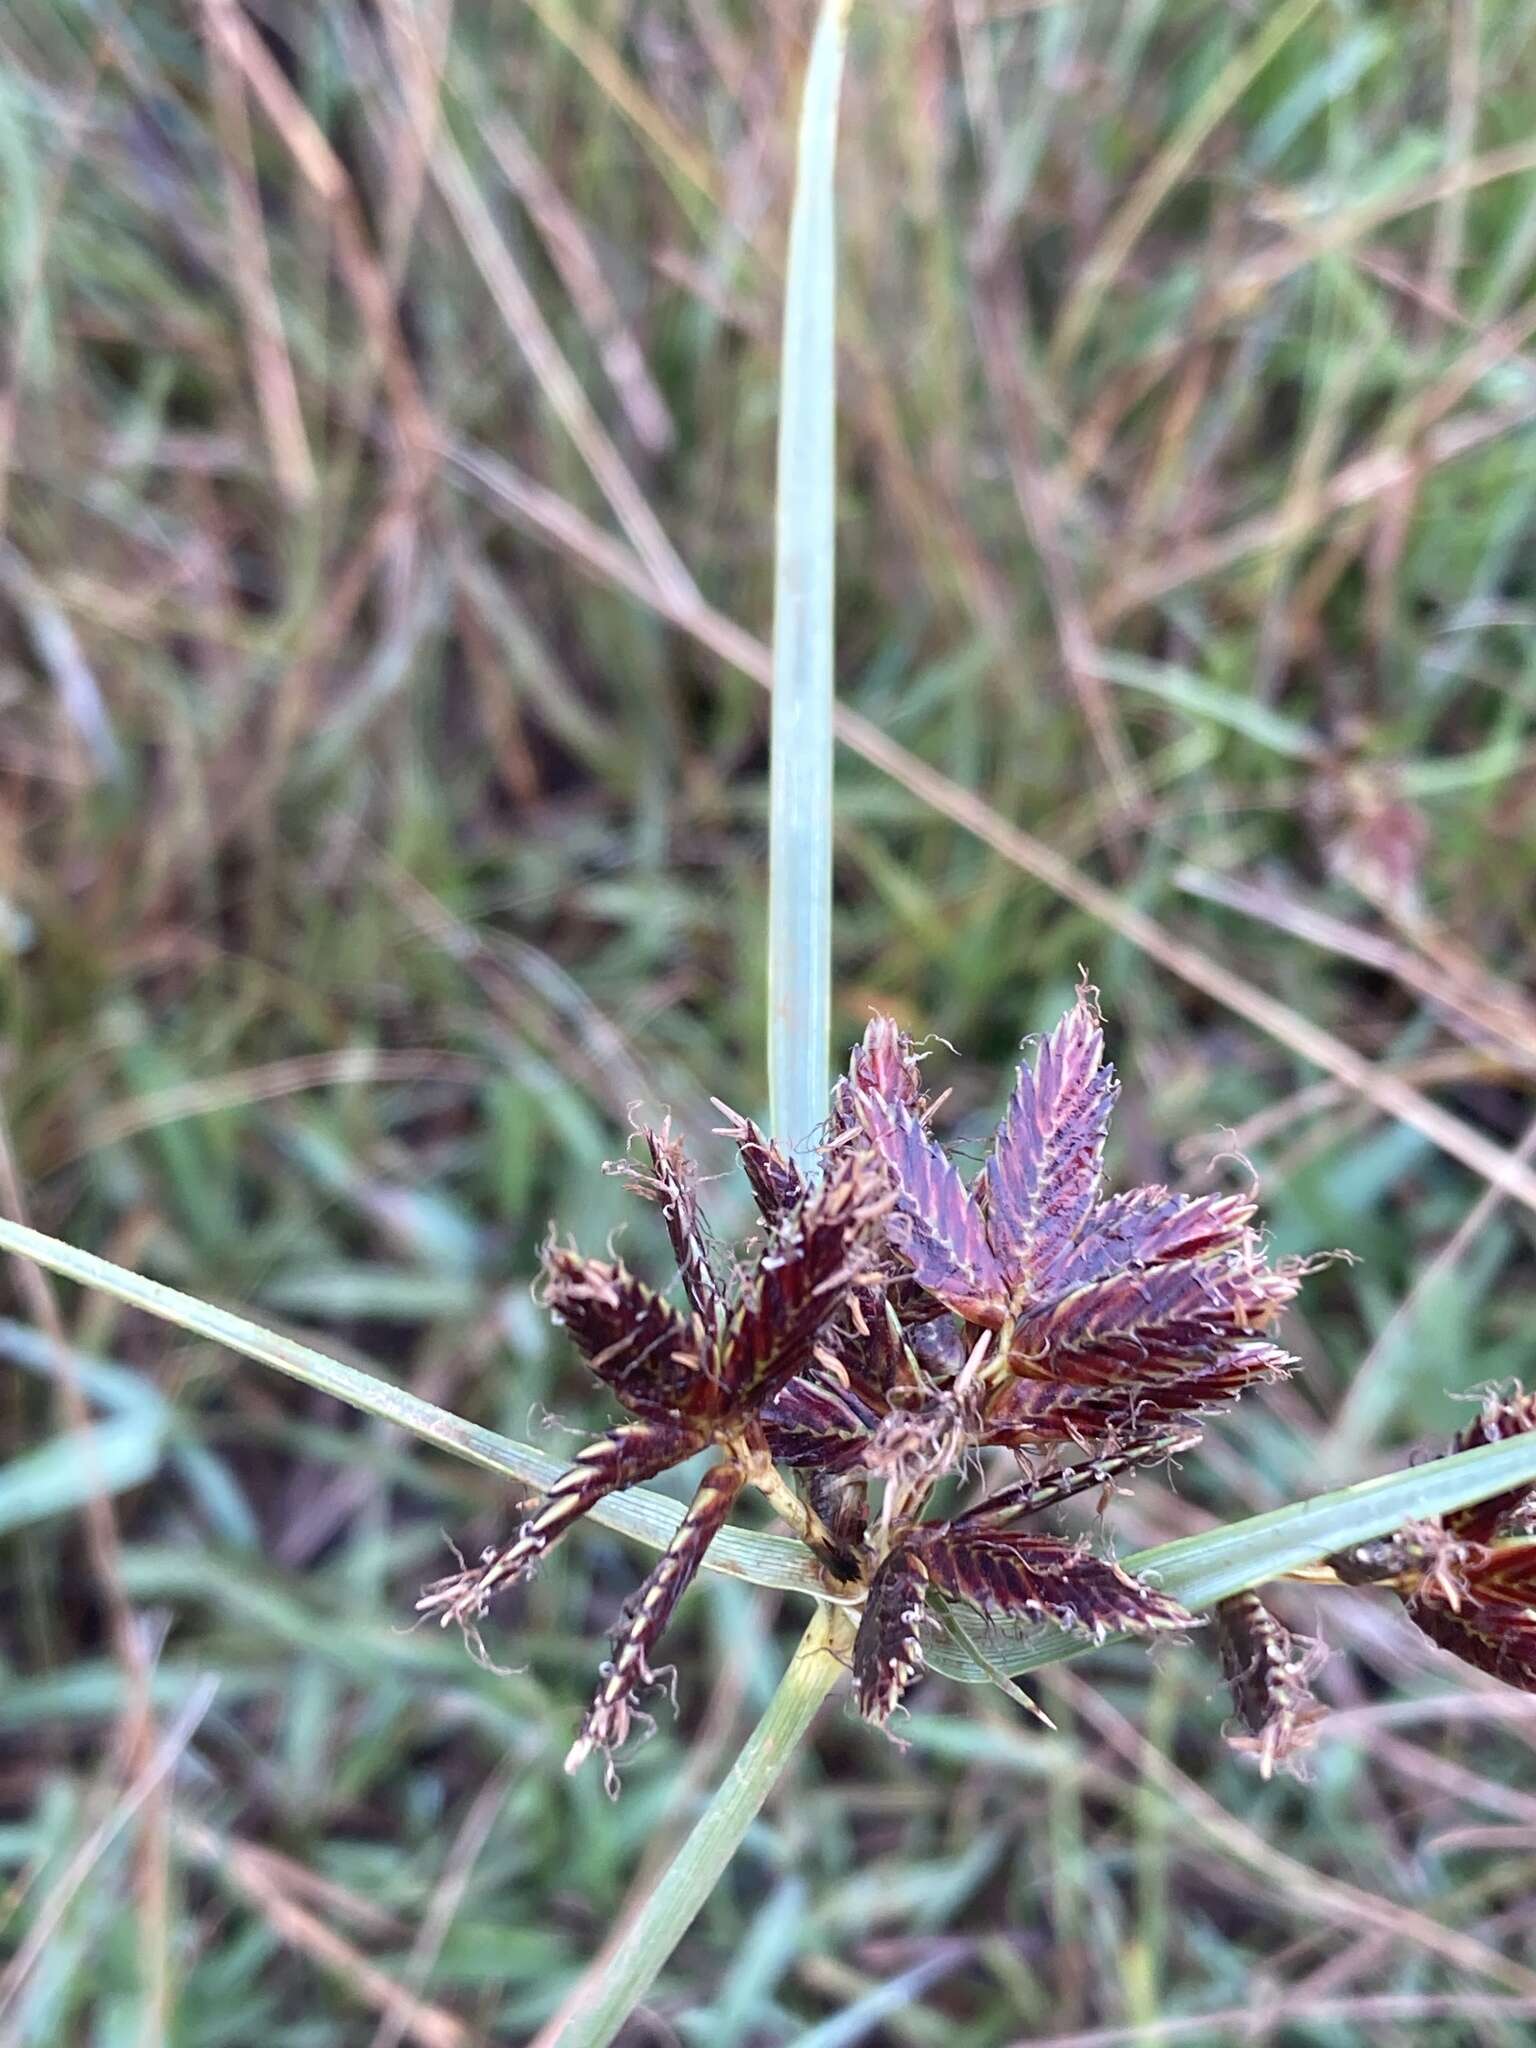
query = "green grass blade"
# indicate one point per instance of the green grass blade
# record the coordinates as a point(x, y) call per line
point(1200, 1570)
point(1198, 698)
point(799, 969)
point(800, 778)
point(648, 1517)
point(611, 1993)
point(60, 1476)
point(1166, 172)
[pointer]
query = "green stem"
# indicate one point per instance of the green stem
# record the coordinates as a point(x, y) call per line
point(800, 774)
point(624, 1975)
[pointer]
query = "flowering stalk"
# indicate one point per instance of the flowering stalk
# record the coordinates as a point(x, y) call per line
point(605, 1999)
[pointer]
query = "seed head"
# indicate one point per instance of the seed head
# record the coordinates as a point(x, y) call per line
point(892, 1321)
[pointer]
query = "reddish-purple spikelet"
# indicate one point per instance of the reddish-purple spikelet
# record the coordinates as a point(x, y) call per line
point(1095, 1474)
point(626, 1456)
point(805, 1272)
point(652, 1359)
point(886, 1324)
point(1044, 1578)
point(672, 1184)
point(646, 1615)
point(936, 1225)
point(1501, 1416)
point(1468, 1580)
point(775, 1180)
point(888, 1649)
point(1151, 1324)
point(1146, 1227)
point(1492, 1621)
point(1270, 1674)
point(884, 1071)
point(1042, 1179)
point(817, 1427)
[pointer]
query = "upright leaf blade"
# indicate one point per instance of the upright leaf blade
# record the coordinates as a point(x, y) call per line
point(800, 778)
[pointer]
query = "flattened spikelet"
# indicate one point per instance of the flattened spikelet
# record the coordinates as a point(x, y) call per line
point(936, 1226)
point(1468, 1581)
point(1033, 1496)
point(1147, 1227)
point(1022, 1413)
point(647, 1613)
point(626, 1456)
point(653, 1360)
point(888, 1650)
point(1151, 1323)
point(883, 1070)
point(817, 1427)
point(1502, 1416)
point(1270, 1674)
point(1042, 1178)
point(1491, 1623)
point(1018, 1573)
point(804, 1275)
point(776, 1182)
point(672, 1184)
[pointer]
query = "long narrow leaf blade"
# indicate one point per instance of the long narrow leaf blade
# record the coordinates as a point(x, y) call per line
point(648, 1517)
point(1197, 1570)
point(1200, 1570)
point(800, 777)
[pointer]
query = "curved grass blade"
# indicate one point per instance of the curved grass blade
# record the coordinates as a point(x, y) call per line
point(974, 1652)
point(1197, 1570)
point(648, 1517)
point(800, 774)
point(1200, 1570)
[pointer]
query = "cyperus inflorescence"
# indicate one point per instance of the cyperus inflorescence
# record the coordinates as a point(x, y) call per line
point(1468, 1579)
point(890, 1323)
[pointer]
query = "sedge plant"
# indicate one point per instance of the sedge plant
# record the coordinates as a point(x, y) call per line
point(896, 1327)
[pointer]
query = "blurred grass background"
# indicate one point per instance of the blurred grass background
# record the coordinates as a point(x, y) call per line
point(387, 405)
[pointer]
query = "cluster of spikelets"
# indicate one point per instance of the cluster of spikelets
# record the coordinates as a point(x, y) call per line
point(889, 1323)
point(1466, 1579)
